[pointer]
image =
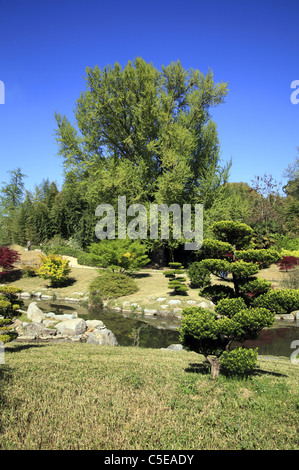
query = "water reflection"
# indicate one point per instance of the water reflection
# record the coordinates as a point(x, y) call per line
point(159, 332)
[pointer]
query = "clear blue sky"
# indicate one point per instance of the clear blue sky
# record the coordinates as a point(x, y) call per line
point(46, 45)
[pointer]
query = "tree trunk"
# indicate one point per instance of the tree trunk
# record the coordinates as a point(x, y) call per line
point(215, 366)
point(236, 285)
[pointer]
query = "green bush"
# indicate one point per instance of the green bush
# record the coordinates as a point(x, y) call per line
point(176, 283)
point(8, 309)
point(281, 301)
point(119, 255)
point(256, 286)
point(112, 285)
point(28, 271)
point(86, 259)
point(239, 361)
point(237, 234)
point(264, 257)
point(229, 307)
point(55, 268)
point(215, 249)
point(217, 292)
point(199, 275)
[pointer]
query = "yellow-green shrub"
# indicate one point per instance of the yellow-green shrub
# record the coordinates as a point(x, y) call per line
point(55, 268)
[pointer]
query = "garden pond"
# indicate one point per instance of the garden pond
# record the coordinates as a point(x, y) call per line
point(160, 332)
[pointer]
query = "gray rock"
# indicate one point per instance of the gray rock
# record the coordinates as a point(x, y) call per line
point(97, 324)
point(49, 322)
point(161, 299)
point(296, 314)
point(102, 338)
point(47, 332)
point(165, 313)
point(173, 347)
point(287, 317)
point(33, 330)
point(203, 305)
point(76, 326)
point(65, 316)
point(191, 302)
point(177, 311)
point(25, 295)
point(174, 302)
point(34, 313)
point(149, 312)
point(46, 297)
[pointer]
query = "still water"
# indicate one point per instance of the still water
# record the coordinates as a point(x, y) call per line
point(160, 332)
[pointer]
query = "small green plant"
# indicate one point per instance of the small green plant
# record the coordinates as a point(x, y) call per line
point(28, 271)
point(177, 283)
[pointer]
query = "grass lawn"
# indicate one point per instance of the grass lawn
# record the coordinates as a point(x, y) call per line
point(80, 396)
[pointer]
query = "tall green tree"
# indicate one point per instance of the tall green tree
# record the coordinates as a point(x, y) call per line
point(144, 133)
point(11, 195)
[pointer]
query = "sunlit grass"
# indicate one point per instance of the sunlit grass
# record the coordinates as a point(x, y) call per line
point(80, 396)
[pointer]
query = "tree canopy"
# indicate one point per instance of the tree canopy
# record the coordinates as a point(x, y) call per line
point(146, 133)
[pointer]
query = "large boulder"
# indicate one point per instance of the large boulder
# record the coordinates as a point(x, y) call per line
point(76, 326)
point(33, 330)
point(102, 337)
point(34, 313)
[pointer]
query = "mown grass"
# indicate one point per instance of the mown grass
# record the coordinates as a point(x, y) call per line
point(80, 396)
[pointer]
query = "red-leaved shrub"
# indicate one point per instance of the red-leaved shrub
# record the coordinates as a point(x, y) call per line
point(288, 262)
point(8, 257)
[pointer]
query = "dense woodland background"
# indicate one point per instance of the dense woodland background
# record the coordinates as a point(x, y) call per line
point(148, 135)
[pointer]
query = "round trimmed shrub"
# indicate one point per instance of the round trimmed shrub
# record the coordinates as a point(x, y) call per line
point(217, 292)
point(199, 275)
point(239, 361)
point(280, 301)
point(112, 285)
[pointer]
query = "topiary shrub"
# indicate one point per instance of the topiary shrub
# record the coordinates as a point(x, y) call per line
point(229, 307)
point(212, 334)
point(280, 301)
point(236, 234)
point(176, 283)
point(9, 305)
point(264, 257)
point(214, 249)
point(239, 361)
point(199, 275)
point(217, 292)
point(111, 285)
point(254, 287)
